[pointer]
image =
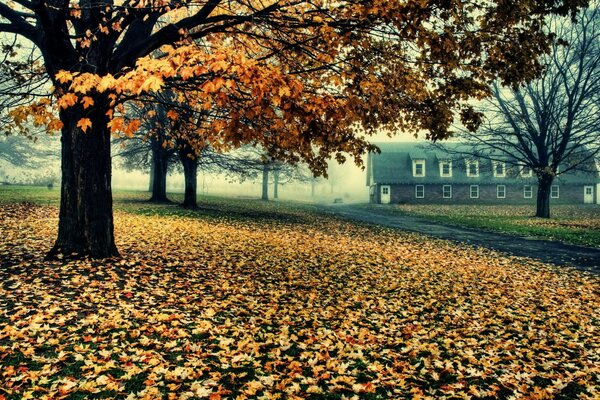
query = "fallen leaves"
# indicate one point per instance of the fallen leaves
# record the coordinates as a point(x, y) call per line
point(303, 307)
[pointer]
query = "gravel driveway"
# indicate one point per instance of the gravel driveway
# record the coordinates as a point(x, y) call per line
point(583, 258)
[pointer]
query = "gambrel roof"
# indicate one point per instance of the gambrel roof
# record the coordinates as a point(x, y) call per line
point(394, 166)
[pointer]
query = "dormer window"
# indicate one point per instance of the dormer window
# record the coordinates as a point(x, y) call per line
point(418, 167)
point(472, 168)
point(446, 169)
point(525, 171)
point(499, 169)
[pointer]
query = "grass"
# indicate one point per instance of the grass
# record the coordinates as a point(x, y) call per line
point(574, 224)
point(243, 299)
point(136, 202)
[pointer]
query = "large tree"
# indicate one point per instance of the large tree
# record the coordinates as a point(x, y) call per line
point(552, 121)
point(312, 71)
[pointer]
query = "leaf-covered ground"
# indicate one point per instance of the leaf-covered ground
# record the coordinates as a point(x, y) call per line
point(576, 224)
point(286, 305)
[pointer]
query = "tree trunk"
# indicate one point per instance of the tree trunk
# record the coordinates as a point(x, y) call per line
point(151, 182)
point(543, 195)
point(190, 173)
point(313, 183)
point(276, 184)
point(85, 226)
point(160, 161)
point(265, 182)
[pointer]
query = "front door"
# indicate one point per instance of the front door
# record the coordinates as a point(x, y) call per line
point(385, 194)
point(588, 194)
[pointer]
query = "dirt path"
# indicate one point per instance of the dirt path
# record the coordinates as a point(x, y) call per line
point(584, 258)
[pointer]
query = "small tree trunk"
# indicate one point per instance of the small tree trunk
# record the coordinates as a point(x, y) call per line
point(85, 225)
point(543, 195)
point(151, 182)
point(313, 183)
point(265, 182)
point(276, 184)
point(160, 161)
point(190, 173)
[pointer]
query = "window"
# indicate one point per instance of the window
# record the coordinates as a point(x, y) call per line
point(525, 171)
point(446, 168)
point(447, 191)
point(385, 189)
point(501, 191)
point(527, 192)
point(418, 167)
point(588, 190)
point(499, 169)
point(474, 191)
point(419, 191)
point(554, 192)
point(472, 168)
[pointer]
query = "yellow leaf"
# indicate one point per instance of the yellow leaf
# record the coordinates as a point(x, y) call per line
point(107, 82)
point(152, 84)
point(63, 76)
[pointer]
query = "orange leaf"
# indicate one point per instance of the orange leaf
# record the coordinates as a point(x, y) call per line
point(84, 124)
point(67, 100)
point(87, 102)
point(172, 114)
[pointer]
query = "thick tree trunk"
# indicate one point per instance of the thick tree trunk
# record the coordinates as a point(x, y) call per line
point(190, 173)
point(265, 182)
point(160, 161)
point(85, 226)
point(276, 184)
point(543, 196)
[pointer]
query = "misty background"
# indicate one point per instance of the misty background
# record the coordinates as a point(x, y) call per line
point(346, 181)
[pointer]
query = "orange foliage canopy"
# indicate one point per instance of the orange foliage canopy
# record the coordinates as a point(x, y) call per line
point(302, 78)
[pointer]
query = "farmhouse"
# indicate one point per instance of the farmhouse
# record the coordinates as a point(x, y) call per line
point(413, 173)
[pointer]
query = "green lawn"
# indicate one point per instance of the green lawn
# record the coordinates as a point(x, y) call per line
point(136, 202)
point(575, 224)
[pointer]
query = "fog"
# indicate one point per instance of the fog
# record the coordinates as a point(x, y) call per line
point(346, 182)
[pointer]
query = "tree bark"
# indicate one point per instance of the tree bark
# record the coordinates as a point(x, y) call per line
point(276, 184)
point(85, 226)
point(265, 182)
point(543, 195)
point(160, 161)
point(190, 173)
point(151, 181)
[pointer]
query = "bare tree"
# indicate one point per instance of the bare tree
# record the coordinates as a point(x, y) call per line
point(553, 120)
